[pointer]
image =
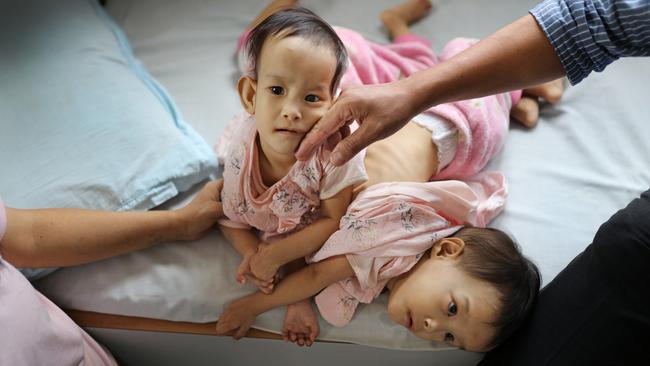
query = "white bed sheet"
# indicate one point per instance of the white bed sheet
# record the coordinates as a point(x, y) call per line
point(587, 158)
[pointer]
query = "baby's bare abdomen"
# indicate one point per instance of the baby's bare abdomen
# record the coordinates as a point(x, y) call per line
point(406, 156)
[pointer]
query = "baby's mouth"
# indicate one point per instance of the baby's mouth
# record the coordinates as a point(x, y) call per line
point(287, 130)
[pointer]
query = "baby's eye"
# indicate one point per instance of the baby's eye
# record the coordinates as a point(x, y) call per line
point(449, 338)
point(312, 98)
point(452, 309)
point(277, 90)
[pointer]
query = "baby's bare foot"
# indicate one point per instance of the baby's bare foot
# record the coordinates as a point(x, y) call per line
point(526, 111)
point(283, 3)
point(409, 11)
point(551, 92)
point(398, 18)
point(300, 324)
point(274, 6)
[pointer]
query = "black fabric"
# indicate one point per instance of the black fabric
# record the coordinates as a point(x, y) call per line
point(597, 310)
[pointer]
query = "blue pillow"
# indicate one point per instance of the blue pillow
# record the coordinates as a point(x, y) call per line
point(82, 124)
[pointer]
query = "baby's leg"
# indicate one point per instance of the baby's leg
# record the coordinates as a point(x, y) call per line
point(275, 5)
point(526, 111)
point(398, 18)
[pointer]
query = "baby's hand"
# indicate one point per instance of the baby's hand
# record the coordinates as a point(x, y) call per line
point(262, 265)
point(236, 319)
point(244, 274)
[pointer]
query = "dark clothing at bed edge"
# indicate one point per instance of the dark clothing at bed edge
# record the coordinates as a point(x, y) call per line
point(597, 310)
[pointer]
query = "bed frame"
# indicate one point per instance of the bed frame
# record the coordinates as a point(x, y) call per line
point(146, 341)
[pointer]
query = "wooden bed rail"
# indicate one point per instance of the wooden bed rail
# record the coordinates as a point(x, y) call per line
point(110, 321)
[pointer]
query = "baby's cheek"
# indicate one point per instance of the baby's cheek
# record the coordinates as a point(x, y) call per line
point(315, 115)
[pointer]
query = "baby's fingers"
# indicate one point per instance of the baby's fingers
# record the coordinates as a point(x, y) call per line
point(224, 326)
point(242, 273)
point(241, 332)
point(267, 289)
point(264, 286)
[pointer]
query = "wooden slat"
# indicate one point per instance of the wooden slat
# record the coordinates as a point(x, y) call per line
point(110, 321)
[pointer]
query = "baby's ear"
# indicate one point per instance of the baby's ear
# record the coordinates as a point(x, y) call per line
point(448, 248)
point(247, 88)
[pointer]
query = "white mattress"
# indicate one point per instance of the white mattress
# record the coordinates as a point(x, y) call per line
point(587, 158)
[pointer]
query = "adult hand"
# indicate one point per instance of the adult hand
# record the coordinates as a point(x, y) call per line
point(380, 110)
point(202, 213)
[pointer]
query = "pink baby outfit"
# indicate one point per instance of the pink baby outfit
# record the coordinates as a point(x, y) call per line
point(291, 203)
point(34, 331)
point(389, 226)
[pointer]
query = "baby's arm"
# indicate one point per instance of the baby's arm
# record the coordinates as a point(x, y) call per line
point(240, 314)
point(270, 258)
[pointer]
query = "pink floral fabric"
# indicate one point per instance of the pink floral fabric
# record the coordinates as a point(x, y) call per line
point(34, 331)
point(291, 203)
point(389, 226)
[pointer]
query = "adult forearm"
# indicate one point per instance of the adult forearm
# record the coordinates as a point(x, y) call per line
point(517, 56)
point(63, 237)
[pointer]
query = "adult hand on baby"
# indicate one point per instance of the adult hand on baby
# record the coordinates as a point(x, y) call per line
point(237, 318)
point(380, 110)
point(261, 264)
point(201, 214)
point(244, 274)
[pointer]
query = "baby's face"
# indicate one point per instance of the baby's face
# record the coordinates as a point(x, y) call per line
point(437, 301)
point(294, 79)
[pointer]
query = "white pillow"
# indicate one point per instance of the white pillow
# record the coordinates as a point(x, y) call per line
point(82, 124)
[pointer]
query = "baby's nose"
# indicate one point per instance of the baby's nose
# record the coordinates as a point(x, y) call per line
point(292, 116)
point(431, 325)
point(291, 112)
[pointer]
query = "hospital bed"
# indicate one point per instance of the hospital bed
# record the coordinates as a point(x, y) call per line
point(588, 157)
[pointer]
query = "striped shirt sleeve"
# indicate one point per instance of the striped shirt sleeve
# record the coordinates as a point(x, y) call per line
point(3, 220)
point(589, 35)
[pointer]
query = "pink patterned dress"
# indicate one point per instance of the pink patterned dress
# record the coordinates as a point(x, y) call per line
point(389, 226)
point(291, 203)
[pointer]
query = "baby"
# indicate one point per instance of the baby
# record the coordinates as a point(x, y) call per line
point(466, 286)
point(294, 205)
point(389, 226)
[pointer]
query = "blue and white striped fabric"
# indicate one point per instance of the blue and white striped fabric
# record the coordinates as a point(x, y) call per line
point(589, 35)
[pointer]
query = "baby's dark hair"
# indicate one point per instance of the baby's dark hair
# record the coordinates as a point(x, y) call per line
point(302, 23)
point(492, 256)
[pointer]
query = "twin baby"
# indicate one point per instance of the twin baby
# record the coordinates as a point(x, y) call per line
point(391, 219)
